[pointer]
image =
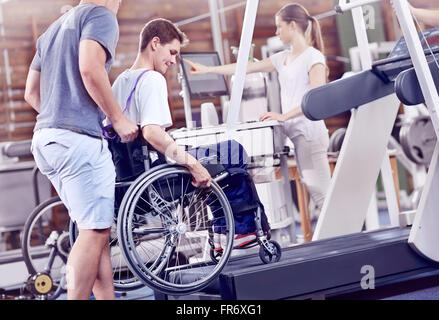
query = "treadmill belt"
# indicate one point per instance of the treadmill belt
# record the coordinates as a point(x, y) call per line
point(328, 266)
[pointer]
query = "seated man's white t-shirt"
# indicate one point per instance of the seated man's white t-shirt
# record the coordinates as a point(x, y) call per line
point(149, 103)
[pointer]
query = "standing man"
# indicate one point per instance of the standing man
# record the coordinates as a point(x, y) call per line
point(68, 86)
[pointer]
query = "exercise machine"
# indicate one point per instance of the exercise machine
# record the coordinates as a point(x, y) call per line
point(342, 260)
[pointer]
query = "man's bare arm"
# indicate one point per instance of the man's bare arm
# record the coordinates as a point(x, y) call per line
point(92, 58)
point(32, 90)
point(164, 144)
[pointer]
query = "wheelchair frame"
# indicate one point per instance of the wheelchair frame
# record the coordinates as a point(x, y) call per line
point(171, 269)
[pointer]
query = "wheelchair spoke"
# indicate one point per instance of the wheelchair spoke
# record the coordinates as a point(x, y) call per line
point(115, 269)
point(157, 207)
point(176, 253)
point(167, 204)
point(164, 258)
point(145, 232)
point(158, 211)
point(166, 229)
point(170, 191)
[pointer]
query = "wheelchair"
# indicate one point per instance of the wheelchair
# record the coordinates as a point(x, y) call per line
point(163, 230)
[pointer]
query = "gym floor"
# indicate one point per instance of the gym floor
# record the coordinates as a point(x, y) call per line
point(419, 292)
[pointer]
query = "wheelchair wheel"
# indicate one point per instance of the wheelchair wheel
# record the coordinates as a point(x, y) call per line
point(215, 255)
point(164, 224)
point(45, 242)
point(123, 278)
point(270, 252)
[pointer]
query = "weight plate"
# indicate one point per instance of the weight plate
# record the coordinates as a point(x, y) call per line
point(418, 140)
point(336, 140)
point(41, 283)
point(339, 139)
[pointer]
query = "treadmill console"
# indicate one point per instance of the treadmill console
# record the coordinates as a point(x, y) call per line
point(399, 59)
point(207, 85)
point(431, 36)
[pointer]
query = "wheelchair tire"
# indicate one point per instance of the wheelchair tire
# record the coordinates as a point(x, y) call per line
point(163, 215)
point(273, 256)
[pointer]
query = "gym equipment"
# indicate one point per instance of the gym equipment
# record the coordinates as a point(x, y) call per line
point(336, 262)
point(399, 59)
point(410, 199)
point(206, 85)
point(164, 221)
point(17, 149)
point(378, 249)
point(418, 139)
point(387, 250)
point(370, 85)
point(45, 247)
point(163, 232)
point(423, 235)
point(39, 284)
point(163, 225)
point(340, 267)
point(366, 85)
point(336, 140)
point(407, 85)
point(351, 189)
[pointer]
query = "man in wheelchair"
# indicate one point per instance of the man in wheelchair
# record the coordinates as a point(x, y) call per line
point(142, 93)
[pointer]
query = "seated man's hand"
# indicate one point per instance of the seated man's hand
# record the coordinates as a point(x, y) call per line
point(126, 129)
point(201, 175)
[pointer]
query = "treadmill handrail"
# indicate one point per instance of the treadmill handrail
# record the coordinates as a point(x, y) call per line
point(331, 99)
point(400, 58)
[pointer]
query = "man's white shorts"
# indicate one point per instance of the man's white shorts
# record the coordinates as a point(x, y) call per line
point(82, 172)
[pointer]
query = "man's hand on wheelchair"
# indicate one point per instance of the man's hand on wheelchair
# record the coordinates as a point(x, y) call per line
point(126, 129)
point(201, 176)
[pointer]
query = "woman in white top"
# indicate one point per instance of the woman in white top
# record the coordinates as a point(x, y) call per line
point(301, 67)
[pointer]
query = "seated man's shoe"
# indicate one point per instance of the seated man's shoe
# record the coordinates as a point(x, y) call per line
point(242, 240)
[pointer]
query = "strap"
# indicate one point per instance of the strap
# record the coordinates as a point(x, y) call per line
point(132, 91)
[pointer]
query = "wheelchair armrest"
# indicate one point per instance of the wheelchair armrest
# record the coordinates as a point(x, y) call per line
point(221, 176)
point(214, 169)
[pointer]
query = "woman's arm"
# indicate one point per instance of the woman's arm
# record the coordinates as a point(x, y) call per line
point(426, 16)
point(317, 78)
point(229, 69)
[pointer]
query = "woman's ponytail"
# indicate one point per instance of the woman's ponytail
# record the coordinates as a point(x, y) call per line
point(316, 35)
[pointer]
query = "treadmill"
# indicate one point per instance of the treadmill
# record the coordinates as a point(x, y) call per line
point(341, 267)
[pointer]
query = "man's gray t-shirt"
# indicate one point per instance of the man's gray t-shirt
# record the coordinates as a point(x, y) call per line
point(65, 102)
